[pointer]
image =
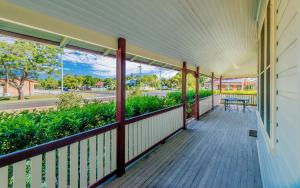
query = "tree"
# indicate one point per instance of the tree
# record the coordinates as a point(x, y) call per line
point(49, 83)
point(71, 82)
point(175, 81)
point(5, 64)
point(191, 81)
point(89, 81)
point(26, 60)
point(150, 80)
point(110, 83)
point(202, 80)
point(76, 82)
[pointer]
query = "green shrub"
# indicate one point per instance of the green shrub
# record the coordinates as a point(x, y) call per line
point(69, 100)
point(205, 93)
point(26, 129)
point(175, 97)
point(137, 105)
point(136, 92)
point(18, 131)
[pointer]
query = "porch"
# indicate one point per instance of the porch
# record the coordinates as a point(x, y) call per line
point(216, 151)
point(219, 39)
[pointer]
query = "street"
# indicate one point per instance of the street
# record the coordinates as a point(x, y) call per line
point(51, 102)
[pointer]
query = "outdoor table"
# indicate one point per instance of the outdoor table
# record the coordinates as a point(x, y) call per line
point(227, 101)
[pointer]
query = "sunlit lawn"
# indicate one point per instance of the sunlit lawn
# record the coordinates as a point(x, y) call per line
point(27, 98)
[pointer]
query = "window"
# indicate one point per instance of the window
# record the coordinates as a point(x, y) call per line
point(262, 49)
point(268, 102)
point(261, 73)
point(268, 35)
point(265, 72)
point(268, 79)
point(261, 93)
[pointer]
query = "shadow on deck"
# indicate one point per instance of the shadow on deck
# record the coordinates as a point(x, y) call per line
point(214, 152)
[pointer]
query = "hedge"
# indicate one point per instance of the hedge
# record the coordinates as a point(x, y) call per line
point(18, 131)
point(26, 129)
point(190, 95)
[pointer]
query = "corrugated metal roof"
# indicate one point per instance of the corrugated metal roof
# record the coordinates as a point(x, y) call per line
point(217, 35)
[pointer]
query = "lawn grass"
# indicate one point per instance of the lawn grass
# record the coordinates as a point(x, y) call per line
point(27, 98)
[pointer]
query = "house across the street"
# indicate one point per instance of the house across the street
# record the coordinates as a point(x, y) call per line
point(235, 84)
point(8, 90)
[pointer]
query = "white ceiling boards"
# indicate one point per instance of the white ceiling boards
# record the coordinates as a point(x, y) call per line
point(217, 35)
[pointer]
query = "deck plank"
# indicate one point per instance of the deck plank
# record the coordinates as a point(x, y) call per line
point(214, 152)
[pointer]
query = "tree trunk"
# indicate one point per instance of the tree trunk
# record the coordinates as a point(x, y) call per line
point(5, 91)
point(20, 93)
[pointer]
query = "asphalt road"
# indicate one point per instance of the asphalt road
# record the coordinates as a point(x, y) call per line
point(105, 96)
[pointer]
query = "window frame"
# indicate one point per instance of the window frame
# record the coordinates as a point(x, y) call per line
point(269, 89)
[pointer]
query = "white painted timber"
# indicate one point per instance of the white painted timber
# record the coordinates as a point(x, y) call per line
point(4, 176)
point(205, 105)
point(252, 98)
point(107, 153)
point(126, 143)
point(131, 141)
point(280, 165)
point(83, 163)
point(216, 35)
point(94, 165)
point(50, 168)
point(145, 133)
point(36, 171)
point(19, 174)
point(74, 165)
point(62, 166)
point(139, 136)
point(135, 139)
point(113, 150)
point(93, 156)
point(100, 173)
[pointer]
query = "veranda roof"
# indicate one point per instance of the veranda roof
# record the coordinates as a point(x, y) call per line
point(217, 36)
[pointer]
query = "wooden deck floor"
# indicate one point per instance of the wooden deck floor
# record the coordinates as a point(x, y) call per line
point(214, 152)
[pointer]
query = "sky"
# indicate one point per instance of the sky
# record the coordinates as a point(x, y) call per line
point(81, 63)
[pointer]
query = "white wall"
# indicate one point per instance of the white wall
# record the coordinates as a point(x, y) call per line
point(280, 157)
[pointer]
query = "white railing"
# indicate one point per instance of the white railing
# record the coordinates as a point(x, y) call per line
point(252, 97)
point(79, 160)
point(143, 133)
point(89, 158)
point(217, 99)
point(205, 104)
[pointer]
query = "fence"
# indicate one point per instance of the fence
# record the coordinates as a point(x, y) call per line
point(205, 104)
point(88, 158)
point(46, 92)
point(252, 97)
point(144, 132)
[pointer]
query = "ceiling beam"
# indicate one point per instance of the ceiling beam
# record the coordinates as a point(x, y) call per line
point(258, 10)
point(133, 58)
point(106, 52)
point(151, 62)
point(64, 42)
